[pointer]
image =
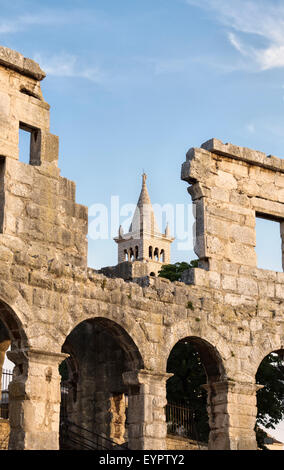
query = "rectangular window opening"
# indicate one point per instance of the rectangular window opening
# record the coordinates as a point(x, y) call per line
point(268, 243)
point(29, 144)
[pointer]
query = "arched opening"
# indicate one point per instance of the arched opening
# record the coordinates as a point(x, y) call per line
point(131, 255)
point(125, 255)
point(270, 401)
point(152, 274)
point(193, 363)
point(136, 252)
point(150, 252)
point(156, 254)
point(12, 337)
point(162, 256)
point(94, 405)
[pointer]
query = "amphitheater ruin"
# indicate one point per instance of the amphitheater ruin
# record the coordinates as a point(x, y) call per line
point(116, 333)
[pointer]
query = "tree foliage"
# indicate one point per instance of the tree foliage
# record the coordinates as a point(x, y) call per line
point(173, 271)
point(270, 398)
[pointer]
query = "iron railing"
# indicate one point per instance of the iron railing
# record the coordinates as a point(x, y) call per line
point(75, 437)
point(180, 421)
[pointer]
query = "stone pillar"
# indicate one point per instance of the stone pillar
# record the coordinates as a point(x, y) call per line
point(146, 409)
point(34, 400)
point(232, 415)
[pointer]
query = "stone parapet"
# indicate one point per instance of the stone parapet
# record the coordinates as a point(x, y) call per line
point(16, 61)
point(254, 157)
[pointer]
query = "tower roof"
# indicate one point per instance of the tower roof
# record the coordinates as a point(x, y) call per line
point(144, 221)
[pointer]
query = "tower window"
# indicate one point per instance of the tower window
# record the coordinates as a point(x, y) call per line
point(162, 256)
point(150, 252)
point(125, 255)
point(156, 254)
point(136, 252)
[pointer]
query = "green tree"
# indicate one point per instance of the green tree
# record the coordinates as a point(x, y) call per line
point(173, 271)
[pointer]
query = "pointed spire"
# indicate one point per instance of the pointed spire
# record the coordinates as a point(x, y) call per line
point(144, 197)
point(144, 218)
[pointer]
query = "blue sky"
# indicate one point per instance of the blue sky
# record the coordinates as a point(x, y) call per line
point(134, 84)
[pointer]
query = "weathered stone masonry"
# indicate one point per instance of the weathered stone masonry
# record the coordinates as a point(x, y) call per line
point(230, 309)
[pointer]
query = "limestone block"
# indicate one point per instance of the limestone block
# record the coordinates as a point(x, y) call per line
point(249, 187)
point(229, 282)
point(268, 207)
point(218, 227)
point(4, 106)
point(279, 291)
point(214, 280)
point(50, 148)
point(240, 153)
point(225, 180)
point(16, 61)
point(220, 194)
point(242, 234)
point(242, 254)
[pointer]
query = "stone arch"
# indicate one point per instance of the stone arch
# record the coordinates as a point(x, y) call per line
point(186, 414)
point(267, 345)
point(12, 334)
point(212, 347)
point(14, 313)
point(102, 351)
point(114, 314)
point(193, 418)
point(12, 323)
point(118, 332)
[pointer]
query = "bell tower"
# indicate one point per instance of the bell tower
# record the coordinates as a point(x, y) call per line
point(144, 242)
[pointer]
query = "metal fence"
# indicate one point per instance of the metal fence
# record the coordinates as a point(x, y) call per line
point(7, 376)
point(180, 421)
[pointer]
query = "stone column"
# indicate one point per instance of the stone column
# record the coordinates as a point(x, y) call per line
point(232, 415)
point(34, 400)
point(146, 409)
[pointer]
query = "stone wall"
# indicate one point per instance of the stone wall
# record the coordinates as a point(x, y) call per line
point(181, 443)
point(230, 310)
point(231, 186)
point(4, 434)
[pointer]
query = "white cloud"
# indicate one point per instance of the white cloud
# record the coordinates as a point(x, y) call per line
point(67, 65)
point(251, 18)
point(46, 17)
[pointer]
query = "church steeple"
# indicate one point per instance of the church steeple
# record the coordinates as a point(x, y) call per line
point(144, 222)
point(144, 242)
